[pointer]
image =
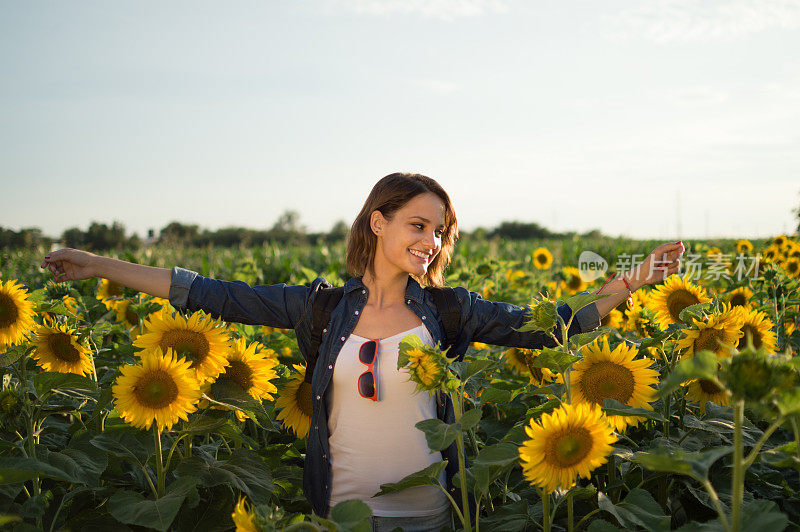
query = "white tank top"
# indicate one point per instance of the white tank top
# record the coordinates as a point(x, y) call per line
point(374, 443)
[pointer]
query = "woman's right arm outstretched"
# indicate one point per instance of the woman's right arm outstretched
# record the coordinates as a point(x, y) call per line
point(74, 265)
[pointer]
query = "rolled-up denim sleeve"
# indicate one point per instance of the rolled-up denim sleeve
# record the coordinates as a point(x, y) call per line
point(278, 305)
point(494, 323)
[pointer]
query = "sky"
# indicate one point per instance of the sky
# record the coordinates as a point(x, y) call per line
point(647, 118)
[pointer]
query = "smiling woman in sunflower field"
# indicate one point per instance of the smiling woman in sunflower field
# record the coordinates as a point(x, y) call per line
point(363, 408)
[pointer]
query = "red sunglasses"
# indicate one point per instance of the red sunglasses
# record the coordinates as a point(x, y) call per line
point(367, 383)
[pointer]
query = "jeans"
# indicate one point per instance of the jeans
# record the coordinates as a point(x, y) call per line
point(428, 523)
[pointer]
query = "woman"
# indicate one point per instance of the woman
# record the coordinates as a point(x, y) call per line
point(402, 238)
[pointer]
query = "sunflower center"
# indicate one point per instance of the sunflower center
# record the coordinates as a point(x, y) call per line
point(61, 346)
point(753, 332)
point(156, 389)
point(574, 282)
point(679, 300)
point(792, 267)
point(190, 344)
point(708, 340)
point(541, 259)
point(738, 300)
point(607, 380)
point(303, 398)
point(114, 289)
point(240, 373)
point(709, 387)
point(568, 447)
point(8, 311)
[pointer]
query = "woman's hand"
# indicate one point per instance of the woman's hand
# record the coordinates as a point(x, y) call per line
point(664, 261)
point(69, 265)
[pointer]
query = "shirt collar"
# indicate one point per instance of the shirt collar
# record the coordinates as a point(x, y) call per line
point(413, 289)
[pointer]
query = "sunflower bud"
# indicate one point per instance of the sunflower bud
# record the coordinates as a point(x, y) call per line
point(751, 375)
point(543, 316)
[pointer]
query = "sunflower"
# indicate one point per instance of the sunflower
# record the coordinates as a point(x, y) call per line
point(703, 390)
point(780, 241)
point(479, 346)
point(109, 293)
point(202, 340)
point(604, 373)
point(612, 319)
point(125, 315)
point(744, 247)
point(573, 440)
point(542, 258)
point(514, 276)
point(793, 251)
point(554, 289)
point(740, 297)
point(758, 328)
point(792, 267)
point(160, 388)
point(573, 281)
point(243, 518)
point(294, 400)
point(669, 299)
point(58, 350)
point(251, 369)
point(715, 332)
point(425, 369)
point(772, 254)
point(713, 251)
point(16, 312)
point(521, 360)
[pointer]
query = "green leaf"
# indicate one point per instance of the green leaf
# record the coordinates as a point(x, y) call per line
point(676, 460)
point(615, 408)
point(703, 365)
point(544, 408)
point(578, 301)
point(693, 311)
point(788, 402)
point(638, 509)
point(130, 443)
point(475, 367)
point(496, 395)
point(580, 340)
point(132, 508)
point(598, 525)
point(425, 477)
point(511, 517)
point(470, 418)
point(48, 380)
point(13, 354)
point(204, 422)
point(244, 471)
point(497, 455)
point(71, 465)
point(761, 514)
point(352, 515)
point(555, 360)
point(439, 434)
point(543, 317)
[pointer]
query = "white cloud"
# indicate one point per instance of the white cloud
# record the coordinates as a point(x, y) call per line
point(440, 9)
point(691, 21)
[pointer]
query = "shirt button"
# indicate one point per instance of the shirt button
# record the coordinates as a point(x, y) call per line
point(318, 398)
point(342, 338)
point(423, 317)
point(356, 313)
point(316, 427)
point(330, 367)
point(324, 330)
point(408, 302)
point(363, 291)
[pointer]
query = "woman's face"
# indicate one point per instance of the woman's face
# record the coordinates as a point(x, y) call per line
point(412, 238)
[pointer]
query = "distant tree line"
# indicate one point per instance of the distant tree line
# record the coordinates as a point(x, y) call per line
point(286, 230)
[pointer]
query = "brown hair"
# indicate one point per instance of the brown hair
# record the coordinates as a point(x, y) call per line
point(388, 196)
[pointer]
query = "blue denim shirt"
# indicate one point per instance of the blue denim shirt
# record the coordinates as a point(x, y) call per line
point(287, 307)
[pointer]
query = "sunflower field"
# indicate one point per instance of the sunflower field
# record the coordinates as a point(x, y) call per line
point(682, 412)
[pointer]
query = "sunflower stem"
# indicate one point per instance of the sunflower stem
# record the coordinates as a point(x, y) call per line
point(718, 505)
point(570, 513)
point(612, 473)
point(545, 510)
point(737, 489)
point(159, 460)
point(587, 516)
point(457, 404)
point(751, 457)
